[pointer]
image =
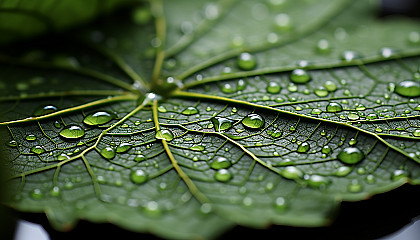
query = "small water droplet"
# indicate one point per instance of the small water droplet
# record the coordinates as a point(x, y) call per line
point(399, 174)
point(408, 88)
point(282, 22)
point(291, 172)
point(317, 181)
point(55, 191)
point(190, 111)
point(211, 11)
point(220, 162)
point(351, 155)
point(349, 56)
point(326, 149)
point(37, 150)
point(416, 133)
point(45, 110)
point(370, 179)
point(37, 194)
point(316, 111)
point(414, 37)
point(352, 141)
point(273, 88)
point(303, 148)
point(138, 176)
point(246, 61)
point(360, 107)
point(198, 148)
point(63, 157)
point(386, 52)
point(124, 147)
point(353, 116)
point(164, 134)
point(253, 121)
point(371, 116)
point(223, 175)
point(98, 118)
point(139, 158)
point(299, 76)
point(355, 186)
point(221, 124)
point(72, 132)
point(30, 138)
point(323, 46)
point(227, 88)
point(321, 92)
point(241, 85)
point(280, 204)
point(162, 109)
point(12, 143)
point(107, 152)
point(343, 171)
point(334, 107)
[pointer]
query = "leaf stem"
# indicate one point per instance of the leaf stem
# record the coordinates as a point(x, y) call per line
point(160, 22)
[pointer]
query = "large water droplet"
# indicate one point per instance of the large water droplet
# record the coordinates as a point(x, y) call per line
point(12, 143)
point(399, 174)
point(221, 124)
point(45, 110)
point(253, 121)
point(351, 155)
point(321, 92)
point(124, 147)
point(273, 88)
point(138, 176)
point(303, 148)
point(300, 76)
point(292, 172)
point(220, 162)
point(164, 134)
point(330, 86)
point(190, 111)
point(317, 181)
point(98, 118)
point(37, 150)
point(247, 61)
point(30, 138)
point(326, 149)
point(343, 171)
point(353, 116)
point(107, 152)
point(72, 132)
point(408, 88)
point(223, 175)
point(416, 133)
point(334, 107)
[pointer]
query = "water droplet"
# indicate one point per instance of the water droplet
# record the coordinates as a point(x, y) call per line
point(399, 174)
point(37, 150)
point(72, 132)
point(292, 172)
point(321, 92)
point(408, 88)
point(317, 181)
point(124, 147)
point(300, 76)
point(162, 109)
point(221, 124)
point(303, 148)
point(107, 152)
point(62, 157)
point(316, 111)
point(326, 149)
point(12, 143)
point(371, 116)
point(227, 88)
point(416, 133)
point(343, 171)
point(280, 204)
point(352, 141)
point(349, 56)
point(30, 137)
point(45, 110)
point(334, 107)
point(190, 111)
point(223, 175)
point(360, 107)
point(414, 37)
point(355, 186)
point(211, 11)
point(282, 22)
point(351, 155)
point(247, 201)
point(386, 52)
point(220, 162)
point(164, 134)
point(323, 46)
point(141, 15)
point(253, 121)
point(55, 191)
point(353, 116)
point(98, 118)
point(139, 158)
point(198, 148)
point(246, 61)
point(138, 176)
point(273, 88)
point(241, 85)
point(37, 194)
point(370, 179)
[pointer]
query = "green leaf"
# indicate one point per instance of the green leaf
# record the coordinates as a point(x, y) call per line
point(185, 118)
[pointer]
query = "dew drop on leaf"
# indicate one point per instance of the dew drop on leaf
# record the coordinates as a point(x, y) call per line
point(124, 147)
point(330, 86)
point(37, 194)
point(351, 155)
point(371, 116)
point(280, 204)
point(57, 124)
point(152, 208)
point(386, 52)
point(139, 158)
point(303, 148)
point(300, 76)
point(349, 56)
point(30, 138)
point(220, 162)
point(107, 152)
point(355, 186)
point(370, 179)
point(198, 148)
point(37, 150)
point(326, 149)
point(414, 37)
point(190, 111)
point(399, 174)
point(72, 132)
point(317, 181)
point(164, 134)
point(352, 141)
point(321, 92)
point(12, 143)
point(223, 175)
point(45, 110)
point(62, 157)
point(241, 85)
point(316, 111)
point(221, 124)
point(333, 107)
point(98, 118)
point(253, 121)
point(273, 88)
point(408, 88)
point(138, 176)
point(416, 133)
point(227, 88)
point(353, 116)
point(343, 171)
point(292, 172)
point(323, 46)
point(55, 191)
point(282, 22)
point(246, 61)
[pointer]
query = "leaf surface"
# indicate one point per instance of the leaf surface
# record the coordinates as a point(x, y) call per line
point(186, 118)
